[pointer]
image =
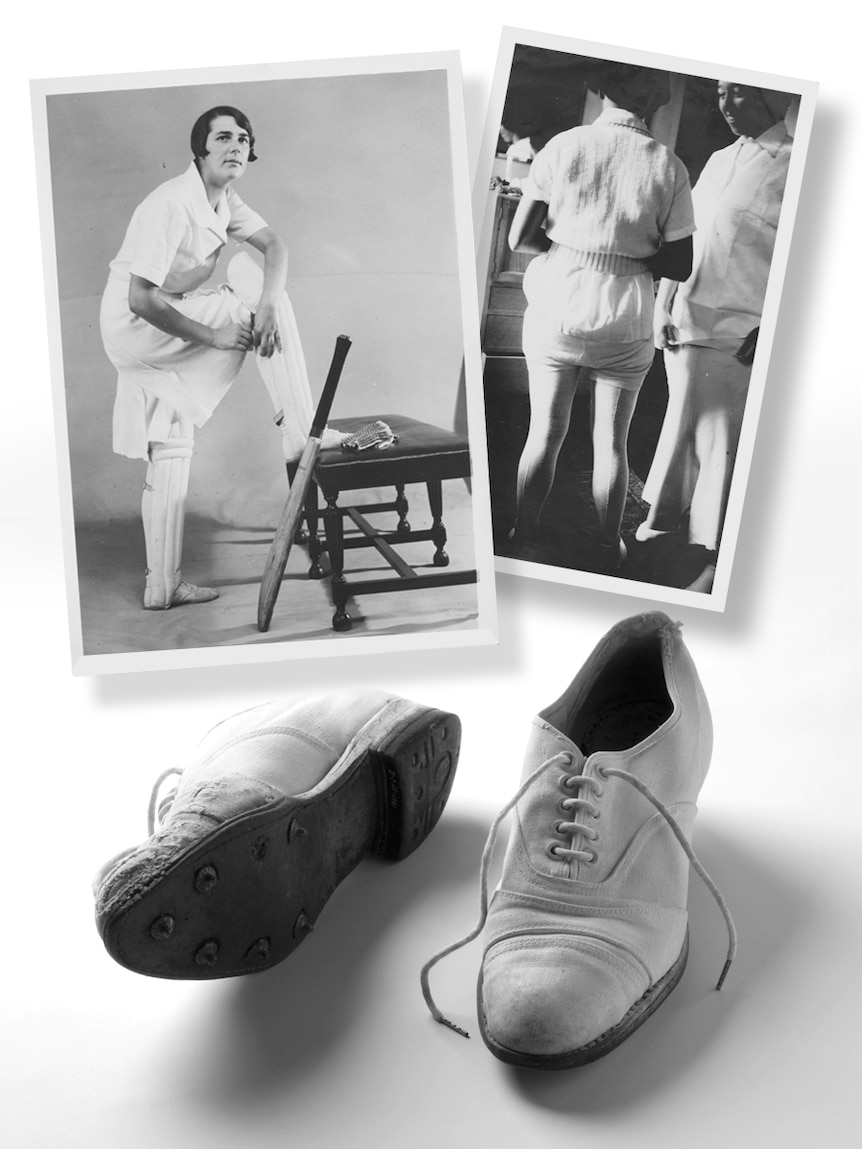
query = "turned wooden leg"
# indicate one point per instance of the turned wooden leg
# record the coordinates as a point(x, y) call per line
point(334, 525)
point(438, 531)
point(312, 517)
point(402, 507)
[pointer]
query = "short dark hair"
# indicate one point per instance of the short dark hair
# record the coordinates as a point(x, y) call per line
point(203, 123)
point(618, 80)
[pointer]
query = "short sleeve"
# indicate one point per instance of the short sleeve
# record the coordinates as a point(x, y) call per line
point(679, 221)
point(243, 221)
point(155, 235)
point(541, 178)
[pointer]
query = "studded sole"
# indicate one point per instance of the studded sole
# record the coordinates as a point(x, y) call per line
point(245, 897)
point(600, 1046)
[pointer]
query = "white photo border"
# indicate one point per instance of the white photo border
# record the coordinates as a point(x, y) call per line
point(483, 223)
point(484, 630)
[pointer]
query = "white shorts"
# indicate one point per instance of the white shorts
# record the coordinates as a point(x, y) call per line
point(592, 305)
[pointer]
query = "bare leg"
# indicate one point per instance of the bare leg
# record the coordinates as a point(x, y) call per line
point(613, 408)
point(552, 391)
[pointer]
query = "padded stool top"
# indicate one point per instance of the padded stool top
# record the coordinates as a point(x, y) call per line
point(423, 453)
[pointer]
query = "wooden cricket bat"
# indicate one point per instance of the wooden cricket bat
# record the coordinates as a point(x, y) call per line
point(293, 509)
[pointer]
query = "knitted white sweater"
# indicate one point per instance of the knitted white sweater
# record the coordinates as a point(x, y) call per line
point(614, 193)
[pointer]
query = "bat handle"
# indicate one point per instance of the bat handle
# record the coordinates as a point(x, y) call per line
point(342, 346)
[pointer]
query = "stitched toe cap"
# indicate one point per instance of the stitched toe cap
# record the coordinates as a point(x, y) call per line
point(552, 996)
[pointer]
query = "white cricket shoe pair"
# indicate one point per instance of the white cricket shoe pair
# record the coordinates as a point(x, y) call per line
point(586, 933)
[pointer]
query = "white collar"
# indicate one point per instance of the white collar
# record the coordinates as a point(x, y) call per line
point(770, 140)
point(623, 118)
point(216, 218)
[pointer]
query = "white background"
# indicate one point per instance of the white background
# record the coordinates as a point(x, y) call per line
point(334, 1046)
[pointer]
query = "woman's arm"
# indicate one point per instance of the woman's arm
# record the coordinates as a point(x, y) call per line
point(673, 260)
point(148, 303)
point(664, 333)
point(274, 251)
point(527, 232)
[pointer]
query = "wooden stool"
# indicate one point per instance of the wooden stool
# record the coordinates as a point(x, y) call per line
point(423, 454)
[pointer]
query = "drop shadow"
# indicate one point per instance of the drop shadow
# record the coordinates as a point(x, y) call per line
point(272, 1030)
point(776, 446)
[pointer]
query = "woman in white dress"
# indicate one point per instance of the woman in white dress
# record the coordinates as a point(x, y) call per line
point(707, 326)
point(178, 348)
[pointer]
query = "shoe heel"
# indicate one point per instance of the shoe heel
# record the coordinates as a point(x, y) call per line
point(415, 769)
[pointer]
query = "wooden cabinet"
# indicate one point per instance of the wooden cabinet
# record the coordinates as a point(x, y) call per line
point(504, 304)
point(507, 406)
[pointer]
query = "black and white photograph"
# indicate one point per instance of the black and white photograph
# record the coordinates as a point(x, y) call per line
point(537, 863)
point(224, 244)
point(634, 230)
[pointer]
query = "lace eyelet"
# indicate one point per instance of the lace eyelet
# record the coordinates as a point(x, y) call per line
point(564, 805)
point(601, 771)
point(596, 815)
point(593, 858)
point(565, 781)
point(552, 851)
point(558, 828)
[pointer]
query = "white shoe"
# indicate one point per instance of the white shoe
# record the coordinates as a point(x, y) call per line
point(186, 594)
point(279, 806)
point(645, 534)
point(587, 932)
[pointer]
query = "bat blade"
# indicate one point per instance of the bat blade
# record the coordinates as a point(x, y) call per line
point(292, 514)
point(285, 532)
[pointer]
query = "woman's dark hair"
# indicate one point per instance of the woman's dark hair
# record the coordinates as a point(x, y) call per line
point(625, 82)
point(610, 77)
point(202, 129)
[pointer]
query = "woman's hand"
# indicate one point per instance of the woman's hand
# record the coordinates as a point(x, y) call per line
point(665, 334)
point(233, 337)
point(266, 336)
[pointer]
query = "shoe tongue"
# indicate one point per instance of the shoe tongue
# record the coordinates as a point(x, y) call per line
point(544, 742)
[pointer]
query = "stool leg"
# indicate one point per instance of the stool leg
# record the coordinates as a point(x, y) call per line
point(312, 516)
point(334, 525)
point(402, 507)
point(438, 531)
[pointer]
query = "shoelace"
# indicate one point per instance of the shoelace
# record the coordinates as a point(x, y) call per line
point(585, 855)
point(563, 828)
point(156, 811)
